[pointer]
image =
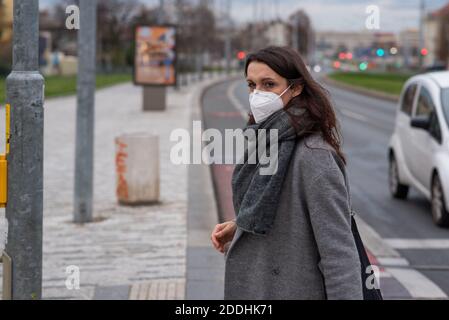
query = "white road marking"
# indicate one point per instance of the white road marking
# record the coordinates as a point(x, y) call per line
point(374, 241)
point(393, 262)
point(354, 115)
point(384, 274)
point(418, 243)
point(417, 284)
point(235, 101)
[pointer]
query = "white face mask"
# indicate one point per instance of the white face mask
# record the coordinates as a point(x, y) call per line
point(263, 104)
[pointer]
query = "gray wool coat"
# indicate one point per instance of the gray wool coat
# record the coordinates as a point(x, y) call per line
point(310, 252)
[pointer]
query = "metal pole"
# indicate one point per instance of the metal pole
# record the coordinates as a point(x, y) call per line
point(199, 51)
point(254, 27)
point(24, 92)
point(406, 51)
point(421, 32)
point(179, 81)
point(160, 16)
point(256, 10)
point(276, 8)
point(295, 34)
point(311, 45)
point(228, 38)
point(84, 151)
point(199, 65)
point(154, 98)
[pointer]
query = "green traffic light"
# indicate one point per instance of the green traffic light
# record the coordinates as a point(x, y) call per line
point(363, 66)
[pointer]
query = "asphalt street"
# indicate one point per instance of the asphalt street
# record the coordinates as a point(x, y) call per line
point(366, 124)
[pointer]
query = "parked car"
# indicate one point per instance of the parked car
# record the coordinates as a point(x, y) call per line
point(419, 147)
point(436, 67)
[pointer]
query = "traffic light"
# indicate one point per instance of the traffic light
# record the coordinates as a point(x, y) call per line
point(241, 55)
point(380, 52)
point(345, 56)
point(424, 52)
point(363, 66)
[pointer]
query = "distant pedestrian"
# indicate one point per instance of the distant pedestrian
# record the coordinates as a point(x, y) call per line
point(292, 236)
point(56, 63)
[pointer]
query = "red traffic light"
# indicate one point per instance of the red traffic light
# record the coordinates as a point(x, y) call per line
point(345, 56)
point(424, 52)
point(241, 55)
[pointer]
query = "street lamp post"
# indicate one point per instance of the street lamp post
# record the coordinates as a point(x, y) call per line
point(155, 98)
point(84, 151)
point(161, 14)
point(295, 33)
point(25, 95)
point(228, 44)
point(421, 32)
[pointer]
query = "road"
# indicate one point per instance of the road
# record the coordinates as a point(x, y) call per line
point(366, 124)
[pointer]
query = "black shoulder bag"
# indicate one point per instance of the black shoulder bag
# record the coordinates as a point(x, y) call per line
point(367, 272)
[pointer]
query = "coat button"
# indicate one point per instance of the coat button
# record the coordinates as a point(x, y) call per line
point(276, 271)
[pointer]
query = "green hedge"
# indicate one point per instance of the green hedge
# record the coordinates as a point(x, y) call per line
point(56, 86)
point(391, 83)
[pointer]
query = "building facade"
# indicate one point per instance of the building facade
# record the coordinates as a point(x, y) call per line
point(437, 37)
point(277, 33)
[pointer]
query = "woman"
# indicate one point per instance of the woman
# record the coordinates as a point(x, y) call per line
point(292, 236)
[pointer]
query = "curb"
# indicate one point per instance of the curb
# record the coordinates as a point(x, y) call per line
point(360, 90)
point(204, 265)
point(223, 211)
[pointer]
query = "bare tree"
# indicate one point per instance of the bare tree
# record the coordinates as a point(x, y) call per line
point(115, 32)
point(117, 19)
point(197, 32)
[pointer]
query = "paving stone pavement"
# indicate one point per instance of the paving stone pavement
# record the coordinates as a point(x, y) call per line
point(128, 250)
point(132, 244)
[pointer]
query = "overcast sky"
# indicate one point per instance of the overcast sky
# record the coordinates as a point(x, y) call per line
point(341, 15)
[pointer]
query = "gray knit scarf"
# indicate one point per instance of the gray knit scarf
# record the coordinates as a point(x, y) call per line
point(256, 196)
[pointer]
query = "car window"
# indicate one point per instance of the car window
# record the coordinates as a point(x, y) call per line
point(425, 104)
point(434, 128)
point(407, 101)
point(445, 103)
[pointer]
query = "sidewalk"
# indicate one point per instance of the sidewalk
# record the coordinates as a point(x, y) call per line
point(130, 252)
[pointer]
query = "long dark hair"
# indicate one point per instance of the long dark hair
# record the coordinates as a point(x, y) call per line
point(289, 64)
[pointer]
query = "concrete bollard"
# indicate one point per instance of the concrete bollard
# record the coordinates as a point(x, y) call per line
point(137, 168)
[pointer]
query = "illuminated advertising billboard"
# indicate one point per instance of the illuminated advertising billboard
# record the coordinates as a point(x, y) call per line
point(155, 59)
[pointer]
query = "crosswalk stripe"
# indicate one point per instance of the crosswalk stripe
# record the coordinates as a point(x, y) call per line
point(417, 284)
point(418, 243)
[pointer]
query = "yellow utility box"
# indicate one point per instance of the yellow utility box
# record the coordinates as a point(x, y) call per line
point(3, 181)
point(4, 163)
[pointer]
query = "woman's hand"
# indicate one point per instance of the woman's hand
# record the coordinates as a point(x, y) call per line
point(222, 234)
